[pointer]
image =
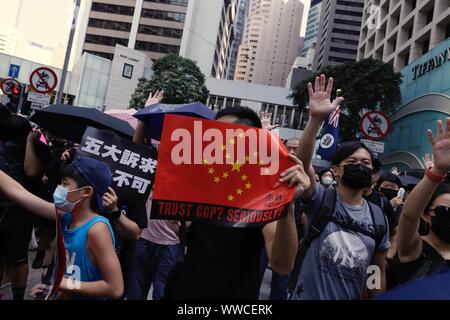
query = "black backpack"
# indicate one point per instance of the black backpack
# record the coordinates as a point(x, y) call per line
point(318, 223)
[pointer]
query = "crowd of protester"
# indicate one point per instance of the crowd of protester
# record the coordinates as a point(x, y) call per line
point(343, 221)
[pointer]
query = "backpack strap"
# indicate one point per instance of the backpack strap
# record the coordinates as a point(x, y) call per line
point(318, 223)
point(379, 223)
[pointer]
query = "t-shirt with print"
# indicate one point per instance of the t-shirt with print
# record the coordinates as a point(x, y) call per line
point(335, 265)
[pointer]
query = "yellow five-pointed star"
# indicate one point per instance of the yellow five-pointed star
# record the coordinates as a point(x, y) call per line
point(205, 162)
point(244, 177)
point(255, 154)
point(236, 167)
point(227, 156)
point(261, 162)
point(216, 179)
point(225, 175)
point(239, 191)
point(232, 141)
point(211, 170)
point(247, 158)
point(241, 135)
point(223, 147)
point(230, 197)
point(248, 186)
point(266, 171)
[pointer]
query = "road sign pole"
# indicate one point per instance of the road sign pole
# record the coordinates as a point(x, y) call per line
point(22, 90)
point(68, 51)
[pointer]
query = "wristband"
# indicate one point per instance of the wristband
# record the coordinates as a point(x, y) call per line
point(115, 214)
point(435, 177)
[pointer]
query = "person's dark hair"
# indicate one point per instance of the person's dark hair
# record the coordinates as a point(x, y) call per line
point(322, 172)
point(245, 115)
point(69, 171)
point(442, 188)
point(346, 149)
point(376, 165)
point(16, 128)
point(390, 177)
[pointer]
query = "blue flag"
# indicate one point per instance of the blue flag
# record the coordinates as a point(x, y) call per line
point(433, 287)
point(330, 139)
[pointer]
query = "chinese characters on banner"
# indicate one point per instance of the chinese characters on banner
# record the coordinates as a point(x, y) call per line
point(133, 166)
point(223, 173)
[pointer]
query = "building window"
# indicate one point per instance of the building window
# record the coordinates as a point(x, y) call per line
point(110, 25)
point(350, 3)
point(112, 8)
point(348, 22)
point(160, 31)
point(105, 55)
point(163, 15)
point(344, 31)
point(349, 13)
point(104, 40)
point(183, 3)
point(343, 50)
point(346, 41)
point(156, 47)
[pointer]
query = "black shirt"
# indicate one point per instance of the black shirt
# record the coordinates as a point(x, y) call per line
point(221, 263)
point(392, 215)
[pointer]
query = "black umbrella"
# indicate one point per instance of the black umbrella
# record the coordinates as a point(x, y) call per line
point(409, 181)
point(70, 122)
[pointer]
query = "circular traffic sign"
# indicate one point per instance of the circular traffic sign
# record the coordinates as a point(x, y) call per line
point(375, 125)
point(8, 84)
point(43, 80)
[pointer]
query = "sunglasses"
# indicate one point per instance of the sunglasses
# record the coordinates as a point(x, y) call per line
point(440, 210)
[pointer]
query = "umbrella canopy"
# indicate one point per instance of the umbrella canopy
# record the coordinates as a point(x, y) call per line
point(409, 181)
point(153, 116)
point(70, 122)
point(125, 115)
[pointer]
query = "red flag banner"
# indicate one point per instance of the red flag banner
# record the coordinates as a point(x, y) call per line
point(227, 173)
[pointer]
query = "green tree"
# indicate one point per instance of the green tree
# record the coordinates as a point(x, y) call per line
point(368, 84)
point(180, 78)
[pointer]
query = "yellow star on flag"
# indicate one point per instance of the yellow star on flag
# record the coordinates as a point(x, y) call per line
point(266, 171)
point(205, 162)
point(223, 147)
point(239, 191)
point(248, 186)
point(236, 167)
point(261, 162)
point(230, 197)
point(241, 135)
point(216, 179)
point(255, 154)
point(227, 156)
point(232, 141)
point(225, 175)
point(247, 158)
point(211, 171)
point(244, 177)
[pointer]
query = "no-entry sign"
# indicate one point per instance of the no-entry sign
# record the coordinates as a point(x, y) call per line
point(43, 80)
point(375, 125)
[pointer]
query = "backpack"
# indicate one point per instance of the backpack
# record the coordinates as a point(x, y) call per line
point(320, 220)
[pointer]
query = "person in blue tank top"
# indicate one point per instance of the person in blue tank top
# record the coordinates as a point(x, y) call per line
point(93, 269)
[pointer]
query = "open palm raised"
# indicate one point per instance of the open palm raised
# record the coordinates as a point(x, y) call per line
point(320, 104)
point(441, 147)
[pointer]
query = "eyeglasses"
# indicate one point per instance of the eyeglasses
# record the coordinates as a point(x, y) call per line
point(440, 210)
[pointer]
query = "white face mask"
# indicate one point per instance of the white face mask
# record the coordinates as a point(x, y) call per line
point(327, 181)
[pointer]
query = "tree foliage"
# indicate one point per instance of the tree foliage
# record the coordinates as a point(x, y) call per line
point(180, 78)
point(366, 85)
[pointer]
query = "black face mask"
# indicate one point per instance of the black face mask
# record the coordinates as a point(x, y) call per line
point(357, 176)
point(440, 223)
point(389, 193)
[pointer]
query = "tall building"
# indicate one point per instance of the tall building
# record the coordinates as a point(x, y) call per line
point(403, 31)
point(338, 38)
point(208, 35)
point(152, 26)
point(271, 41)
point(312, 26)
point(239, 25)
point(9, 17)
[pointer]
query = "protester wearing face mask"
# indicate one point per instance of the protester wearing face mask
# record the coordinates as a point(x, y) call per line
point(352, 236)
point(327, 179)
point(427, 209)
point(92, 263)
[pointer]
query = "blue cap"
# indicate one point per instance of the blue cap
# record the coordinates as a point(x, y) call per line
point(97, 174)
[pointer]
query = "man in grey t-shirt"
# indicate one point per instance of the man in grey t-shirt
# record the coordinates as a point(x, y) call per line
point(336, 263)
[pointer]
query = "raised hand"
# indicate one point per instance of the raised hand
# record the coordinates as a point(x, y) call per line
point(320, 105)
point(266, 118)
point(441, 147)
point(428, 161)
point(155, 97)
point(394, 170)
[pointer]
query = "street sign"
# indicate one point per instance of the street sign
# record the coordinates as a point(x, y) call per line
point(374, 146)
point(38, 98)
point(14, 70)
point(375, 125)
point(7, 85)
point(4, 100)
point(37, 106)
point(43, 80)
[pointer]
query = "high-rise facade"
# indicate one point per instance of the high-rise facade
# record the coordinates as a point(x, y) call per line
point(400, 32)
point(271, 41)
point(312, 26)
point(340, 27)
point(209, 34)
point(152, 26)
point(239, 25)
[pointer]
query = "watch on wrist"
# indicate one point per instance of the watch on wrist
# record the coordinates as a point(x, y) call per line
point(115, 214)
